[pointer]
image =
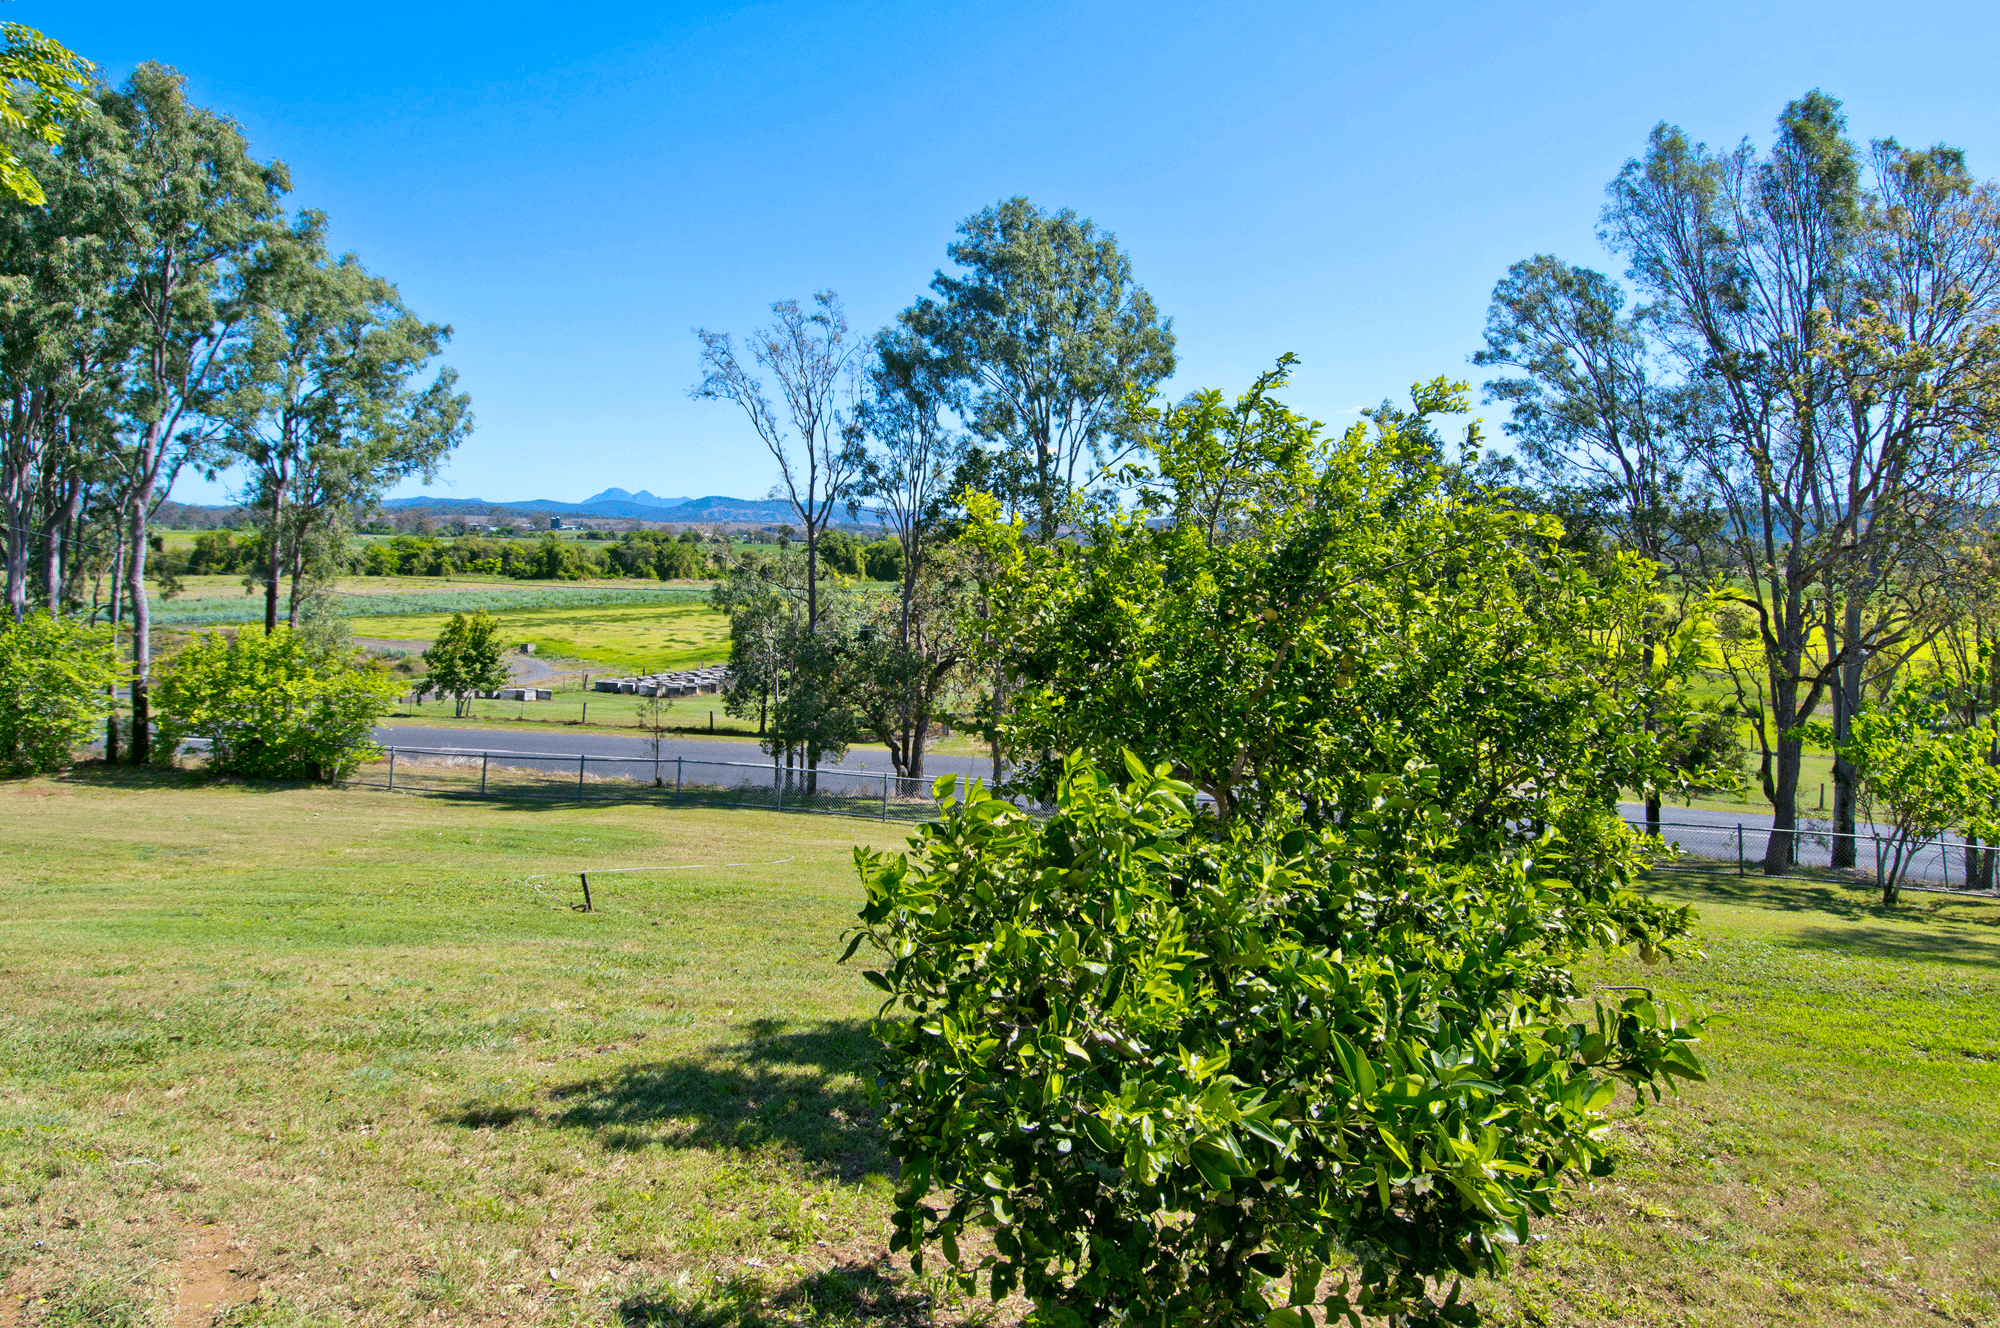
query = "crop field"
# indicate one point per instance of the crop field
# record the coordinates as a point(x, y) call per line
point(638, 638)
point(209, 604)
point(276, 1055)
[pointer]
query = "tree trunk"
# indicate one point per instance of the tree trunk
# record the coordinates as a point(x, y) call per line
point(58, 528)
point(1647, 661)
point(117, 580)
point(1780, 849)
point(812, 577)
point(1846, 705)
point(274, 559)
point(298, 575)
point(142, 618)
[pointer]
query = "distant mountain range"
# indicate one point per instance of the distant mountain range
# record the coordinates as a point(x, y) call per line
point(615, 502)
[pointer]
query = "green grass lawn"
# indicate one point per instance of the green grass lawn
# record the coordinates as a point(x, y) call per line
point(333, 1049)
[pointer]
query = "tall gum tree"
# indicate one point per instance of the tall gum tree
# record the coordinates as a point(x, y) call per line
point(1051, 334)
point(192, 206)
point(908, 419)
point(1834, 417)
point(322, 400)
point(1589, 414)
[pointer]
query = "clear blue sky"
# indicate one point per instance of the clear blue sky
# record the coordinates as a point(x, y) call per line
point(576, 187)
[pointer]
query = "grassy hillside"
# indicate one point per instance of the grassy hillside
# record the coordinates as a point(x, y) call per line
point(339, 1052)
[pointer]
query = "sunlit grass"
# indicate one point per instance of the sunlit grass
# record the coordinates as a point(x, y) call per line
point(415, 1085)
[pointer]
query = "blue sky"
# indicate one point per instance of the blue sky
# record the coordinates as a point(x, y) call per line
point(576, 189)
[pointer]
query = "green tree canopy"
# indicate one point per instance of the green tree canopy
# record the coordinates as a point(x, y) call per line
point(1049, 329)
point(1332, 744)
point(45, 82)
point(55, 683)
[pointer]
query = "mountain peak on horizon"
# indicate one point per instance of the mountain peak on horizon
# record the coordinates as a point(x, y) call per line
point(643, 498)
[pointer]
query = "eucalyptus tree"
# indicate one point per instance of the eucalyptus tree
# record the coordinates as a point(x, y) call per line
point(1832, 318)
point(811, 356)
point(62, 346)
point(190, 208)
point(51, 81)
point(1051, 333)
point(321, 399)
point(908, 421)
point(1590, 415)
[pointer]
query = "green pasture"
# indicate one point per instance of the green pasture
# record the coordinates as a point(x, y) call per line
point(635, 638)
point(361, 1044)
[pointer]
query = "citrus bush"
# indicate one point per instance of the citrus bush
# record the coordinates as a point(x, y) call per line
point(271, 706)
point(1178, 1077)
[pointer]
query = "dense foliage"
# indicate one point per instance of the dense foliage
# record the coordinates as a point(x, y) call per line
point(55, 685)
point(1169, 1070)
point(1290, 615)
point(1174, 1055)
point(1924, 774)
point(271, 706)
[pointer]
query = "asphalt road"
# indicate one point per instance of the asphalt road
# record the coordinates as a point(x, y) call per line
point(544, 743)
point(1698, 833)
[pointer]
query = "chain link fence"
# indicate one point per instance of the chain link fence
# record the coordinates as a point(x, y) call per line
point(1931, 864)
point(667, 779)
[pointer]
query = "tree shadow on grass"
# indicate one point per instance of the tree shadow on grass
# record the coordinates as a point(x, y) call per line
point(1854, 897)
point(1933, 944)
point(149, 778)
point(845, 1294)
point(804, 1091)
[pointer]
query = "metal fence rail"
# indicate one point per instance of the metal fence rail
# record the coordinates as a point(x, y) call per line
point(1933, 864)
point(834, 790)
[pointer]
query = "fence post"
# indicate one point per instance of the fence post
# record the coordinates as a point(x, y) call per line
point(781, 785)
point(1739, 848)
point(579, 776)
point(885, 795)
point(1878, 861)
point(483, 757)
point(677, 781)
point(392, 769)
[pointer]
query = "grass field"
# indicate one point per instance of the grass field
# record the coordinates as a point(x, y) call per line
point(331, 1050)
point(645, 638)
point(628, 626)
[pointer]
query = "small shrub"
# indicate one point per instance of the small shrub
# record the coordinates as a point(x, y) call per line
point(271, 706)
point(55, 682)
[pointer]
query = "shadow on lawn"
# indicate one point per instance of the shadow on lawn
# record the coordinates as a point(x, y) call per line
point(1819, 890)
point(803, 1090)
point(847, 1293)
point(1934, 943)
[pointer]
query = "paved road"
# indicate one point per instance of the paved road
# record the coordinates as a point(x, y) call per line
point(1704, 834)
point(1711, 834)
point(544, 742)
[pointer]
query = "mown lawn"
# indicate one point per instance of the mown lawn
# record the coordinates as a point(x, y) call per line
point(308, 1056)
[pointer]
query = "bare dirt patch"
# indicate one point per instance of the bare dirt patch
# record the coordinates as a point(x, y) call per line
point(12, 1292)
point(210, 1269)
